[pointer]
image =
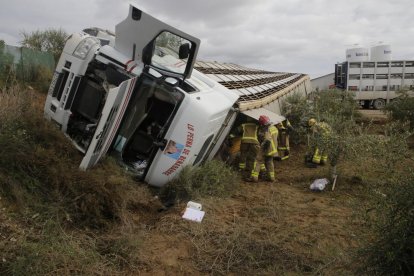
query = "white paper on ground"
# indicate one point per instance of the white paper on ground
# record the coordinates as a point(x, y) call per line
point(319, 184)
point(193, 214)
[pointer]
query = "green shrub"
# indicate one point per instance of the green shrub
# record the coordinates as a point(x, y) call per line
point(402, 109)
point(391, 250)
point(335, 103)
point(297, 109)
point(7, 70)
point(214, 178)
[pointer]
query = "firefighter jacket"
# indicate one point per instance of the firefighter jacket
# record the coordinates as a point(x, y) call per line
point(266, 141)
point(249, 133)
point(273, 131)
point(283, 137)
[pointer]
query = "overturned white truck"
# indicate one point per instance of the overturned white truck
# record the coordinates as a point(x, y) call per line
point(135, 96)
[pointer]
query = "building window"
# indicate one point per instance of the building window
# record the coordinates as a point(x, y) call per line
point(368, 76)
point(355, 65)
point(382, 76)
point(396, 76)
point(409, 76)
point(368, 64)
point(397, 64)
point(352, 88)
point(409, 64)
point(354, 77)
point(382, 64)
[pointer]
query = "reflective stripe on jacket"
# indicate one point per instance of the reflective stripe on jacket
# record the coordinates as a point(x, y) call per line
point(273, 148)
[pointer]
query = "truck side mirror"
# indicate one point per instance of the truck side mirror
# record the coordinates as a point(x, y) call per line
point(184, 51)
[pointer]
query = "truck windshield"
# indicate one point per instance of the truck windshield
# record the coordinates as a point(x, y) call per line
point(171, 52)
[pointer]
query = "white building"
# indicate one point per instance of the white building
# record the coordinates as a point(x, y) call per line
point(323, 82)
point(376, 81)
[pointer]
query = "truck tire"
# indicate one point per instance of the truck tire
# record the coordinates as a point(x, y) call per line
point(379, 104)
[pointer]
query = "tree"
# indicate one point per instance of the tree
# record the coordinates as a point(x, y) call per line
point(402, 108)
point(50, 40)
point(7, 74)
point(338, 109)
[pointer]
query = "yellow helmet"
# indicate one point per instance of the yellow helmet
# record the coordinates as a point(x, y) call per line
point(311, 122)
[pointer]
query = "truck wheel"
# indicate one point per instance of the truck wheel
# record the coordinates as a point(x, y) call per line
point(379, 104)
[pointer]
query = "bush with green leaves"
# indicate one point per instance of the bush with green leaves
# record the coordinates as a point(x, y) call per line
point(214, 178)
point(384, 163)
point(335, 103)
point(7, 72)
point(297, 110)
point(49, 40)
point(390, 251)
point(336, 108)
point(402, 108)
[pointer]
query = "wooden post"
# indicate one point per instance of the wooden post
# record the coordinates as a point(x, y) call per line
point(334, 181)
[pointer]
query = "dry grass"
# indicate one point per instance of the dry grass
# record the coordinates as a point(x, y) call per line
point(58, 202)
point(63, 221)
point(244, 235)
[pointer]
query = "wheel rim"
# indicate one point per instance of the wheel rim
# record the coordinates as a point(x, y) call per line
point(379, 103)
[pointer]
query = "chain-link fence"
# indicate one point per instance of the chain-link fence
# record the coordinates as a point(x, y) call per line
point(23, 64)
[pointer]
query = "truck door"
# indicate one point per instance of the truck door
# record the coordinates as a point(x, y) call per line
point(112, 113)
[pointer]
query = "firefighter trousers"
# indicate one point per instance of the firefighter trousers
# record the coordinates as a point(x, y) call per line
point(249, 153)
point(319, 157)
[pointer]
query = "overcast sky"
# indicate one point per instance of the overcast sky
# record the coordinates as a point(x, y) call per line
point(300, 36)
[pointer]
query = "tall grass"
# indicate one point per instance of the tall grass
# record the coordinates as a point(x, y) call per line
point(389, 250)
point(39, 164)
point(60, 204)
point(214, 178)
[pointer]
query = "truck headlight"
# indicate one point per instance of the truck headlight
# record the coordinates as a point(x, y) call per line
point(85, 46)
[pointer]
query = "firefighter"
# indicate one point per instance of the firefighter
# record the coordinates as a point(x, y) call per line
point(267, 137)
point(283, 139)
point(249, 149)
point(320, 130)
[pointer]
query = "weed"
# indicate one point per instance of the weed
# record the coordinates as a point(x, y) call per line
point(390, 251)
point(40, 165)
point(214, 178)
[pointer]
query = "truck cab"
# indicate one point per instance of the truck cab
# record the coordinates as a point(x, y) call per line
point(138, 99)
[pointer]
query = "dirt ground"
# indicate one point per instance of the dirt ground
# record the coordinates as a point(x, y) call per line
point(316, 227)
point(282, 226)
point(372, 114)
point(319, 228)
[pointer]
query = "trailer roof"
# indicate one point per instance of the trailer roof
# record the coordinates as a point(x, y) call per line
point(252, 85)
